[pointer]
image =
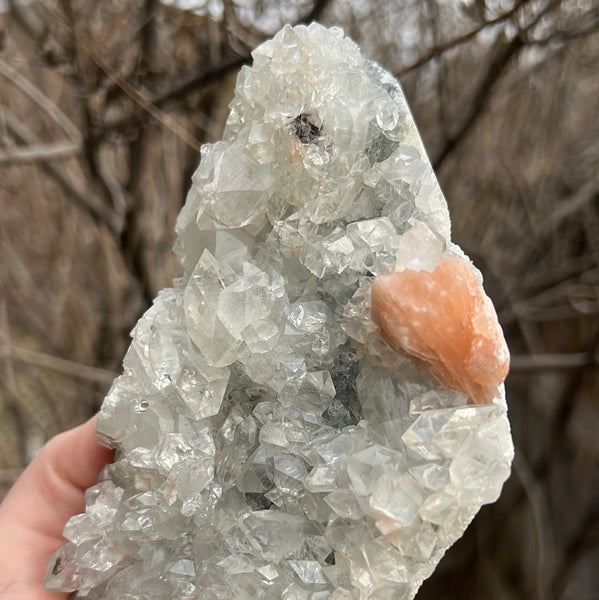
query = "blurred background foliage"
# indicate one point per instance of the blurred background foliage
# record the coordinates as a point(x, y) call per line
point(103, 107)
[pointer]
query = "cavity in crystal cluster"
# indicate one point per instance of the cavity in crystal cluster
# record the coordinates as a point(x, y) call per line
point(270, 443)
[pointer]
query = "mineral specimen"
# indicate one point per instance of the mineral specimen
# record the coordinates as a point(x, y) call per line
point(280, 432)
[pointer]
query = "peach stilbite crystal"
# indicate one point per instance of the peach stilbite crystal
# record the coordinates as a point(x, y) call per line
point(445, 319)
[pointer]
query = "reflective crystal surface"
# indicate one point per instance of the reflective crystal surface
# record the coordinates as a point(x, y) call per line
point(271, 442)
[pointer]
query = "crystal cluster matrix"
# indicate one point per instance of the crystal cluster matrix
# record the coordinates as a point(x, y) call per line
point(315, 409)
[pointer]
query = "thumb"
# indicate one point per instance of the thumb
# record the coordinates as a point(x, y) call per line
point(34, 512)
point(52, 487)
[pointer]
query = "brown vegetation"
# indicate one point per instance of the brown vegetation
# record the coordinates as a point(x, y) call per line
point(103, 106)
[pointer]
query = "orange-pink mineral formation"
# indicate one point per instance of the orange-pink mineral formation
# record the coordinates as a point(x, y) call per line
point(445, 319)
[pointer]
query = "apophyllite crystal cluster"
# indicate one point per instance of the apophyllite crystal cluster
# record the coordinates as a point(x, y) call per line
point(315, 409)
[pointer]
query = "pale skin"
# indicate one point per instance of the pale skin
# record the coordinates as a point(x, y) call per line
point(34, 512)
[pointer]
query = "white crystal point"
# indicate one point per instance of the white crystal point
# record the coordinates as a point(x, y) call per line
point(279, 434)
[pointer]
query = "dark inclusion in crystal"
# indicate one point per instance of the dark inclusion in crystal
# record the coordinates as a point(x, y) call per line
point(57, 566)
point(381, 147)
point(258, 501)
point(345, 409)
point(305, 130)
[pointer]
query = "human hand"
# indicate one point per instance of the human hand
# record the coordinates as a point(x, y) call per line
point(36, 509)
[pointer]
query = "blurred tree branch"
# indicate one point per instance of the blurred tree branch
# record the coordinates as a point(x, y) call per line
point(139, 97)
point(552, 362)
point(495, 69)
point(55, 363)
point(85, 200)
point(39, 152)
point(439, 49)
point(35, 94)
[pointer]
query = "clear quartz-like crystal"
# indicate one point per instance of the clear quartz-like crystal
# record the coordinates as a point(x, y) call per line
point(271, 444)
